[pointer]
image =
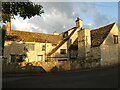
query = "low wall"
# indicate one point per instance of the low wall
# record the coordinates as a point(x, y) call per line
point(54, 66)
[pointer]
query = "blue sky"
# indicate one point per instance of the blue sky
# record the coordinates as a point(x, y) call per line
point(61, 16)
point(107, 9)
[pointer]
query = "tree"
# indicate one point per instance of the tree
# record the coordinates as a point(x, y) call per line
point(23, 9)
point(2, 38)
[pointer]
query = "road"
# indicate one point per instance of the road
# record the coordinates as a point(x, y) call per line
point(107, 78)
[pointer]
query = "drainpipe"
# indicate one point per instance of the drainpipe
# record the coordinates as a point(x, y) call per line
point(45, 49)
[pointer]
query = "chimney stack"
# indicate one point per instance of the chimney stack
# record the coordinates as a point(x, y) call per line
point(79, 22)
point(55, 33)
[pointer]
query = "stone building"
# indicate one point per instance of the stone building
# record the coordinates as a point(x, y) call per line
point(99, 45)
point(28, 46)
point(77, 43)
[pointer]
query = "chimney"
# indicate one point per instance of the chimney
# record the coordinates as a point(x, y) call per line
point(79, 22)
point(55, 33)
point(8, 28)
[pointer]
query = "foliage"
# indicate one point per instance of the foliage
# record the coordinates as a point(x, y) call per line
point(23, 9)
point(3, 33)
point(2, 39)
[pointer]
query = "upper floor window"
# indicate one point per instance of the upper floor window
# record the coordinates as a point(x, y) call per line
point(62, 51)
point(115, 39)
point(65, 35)
point(54, 44)
point(30, 47)
point(43, 47)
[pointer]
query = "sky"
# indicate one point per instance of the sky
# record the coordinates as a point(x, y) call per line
point(61, 16)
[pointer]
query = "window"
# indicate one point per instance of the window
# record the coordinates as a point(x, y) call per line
point(54, 44)
point(62, 51)
point(115, 39)
point(40, 58)
point(30, 47)
point(17, 58)
point(43, 47)
point(65, 35)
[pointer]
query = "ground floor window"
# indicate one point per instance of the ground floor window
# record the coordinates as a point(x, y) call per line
point(17, 58)
point(40, 58)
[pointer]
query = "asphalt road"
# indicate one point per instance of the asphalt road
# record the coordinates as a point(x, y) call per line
point(107, 78)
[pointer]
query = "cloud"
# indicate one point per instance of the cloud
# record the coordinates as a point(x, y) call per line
point(56, 17)
point(24, 25)
point(61, 16)
point(90, 10)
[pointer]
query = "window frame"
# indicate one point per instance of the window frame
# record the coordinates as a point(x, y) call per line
point(43, 47)
point(38, 56)
point(63, 51)
point(115, 39)
point(14, 58)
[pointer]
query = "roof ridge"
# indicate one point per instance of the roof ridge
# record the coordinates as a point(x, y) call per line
point(34, 37)
point(32, 32)
point(68, 30)
point(104, 26)
point(97, 36)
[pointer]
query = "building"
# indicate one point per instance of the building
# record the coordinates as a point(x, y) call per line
point(77, 43)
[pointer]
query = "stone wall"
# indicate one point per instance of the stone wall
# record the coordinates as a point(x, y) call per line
point(36, 67)
point(109, 49)
point(84, 43)
point(95, 53)
point(109, 55)
point(54, 66)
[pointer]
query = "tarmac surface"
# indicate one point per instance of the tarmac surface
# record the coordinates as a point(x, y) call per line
point(101, 78)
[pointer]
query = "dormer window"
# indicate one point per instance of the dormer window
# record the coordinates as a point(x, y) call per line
point(65, 35)
point(115, 39)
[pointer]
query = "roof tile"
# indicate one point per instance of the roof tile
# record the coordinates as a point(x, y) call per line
point(33, 37)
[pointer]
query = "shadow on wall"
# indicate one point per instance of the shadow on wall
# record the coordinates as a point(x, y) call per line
point(17, 52)
point(18, 68)
point(32, 69)
point(61, 66)
point(14, 51)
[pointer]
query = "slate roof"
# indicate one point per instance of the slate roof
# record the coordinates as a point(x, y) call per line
point(33, 37)
point(97, 36)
